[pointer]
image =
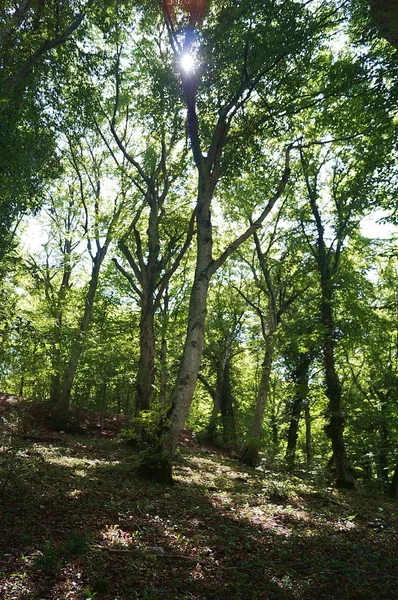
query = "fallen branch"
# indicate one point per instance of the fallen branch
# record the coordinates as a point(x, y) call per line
point(138, 552)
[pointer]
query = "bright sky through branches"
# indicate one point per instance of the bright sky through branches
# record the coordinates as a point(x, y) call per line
point(187, 62)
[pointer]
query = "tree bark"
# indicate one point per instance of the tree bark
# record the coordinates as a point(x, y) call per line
point(394, 484)
point(208, 175)
point(385, 17)
point(308, 434)
point(77, 346)
point(336, 424)
point(227, 408)
point(328, 261)
point(164, 375)
point(215, 393)
point(382, 470)
point(300, 379)
point(182, 393)
point(212, 425)
point(250, 454)
point(146, 364)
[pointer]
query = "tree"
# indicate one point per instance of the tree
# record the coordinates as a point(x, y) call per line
point(154, 260)
point(99, 229)
point(384, 14)
point(29, 31)
point(244, 55)
point(53, 277)
point(224, 330)
point(278, 286)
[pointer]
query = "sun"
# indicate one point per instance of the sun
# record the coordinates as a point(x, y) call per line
point(187, 63)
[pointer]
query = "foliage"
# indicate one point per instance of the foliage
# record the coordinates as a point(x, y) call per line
point(96, 135)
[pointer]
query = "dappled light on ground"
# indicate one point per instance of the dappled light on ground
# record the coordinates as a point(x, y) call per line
point(78, 522)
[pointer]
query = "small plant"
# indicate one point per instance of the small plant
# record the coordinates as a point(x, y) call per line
point(101, 586)
point(90, 594)
point(46, 559)
point(141, 430)
point(76, 543)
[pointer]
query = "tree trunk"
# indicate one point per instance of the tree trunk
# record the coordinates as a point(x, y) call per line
point(103, 405)
point(394, 484)
point(126, 409)
point(164, 375)
point(251, 450)
point(56, 357)
point(384, 442)
point(308, 434)
point(209, 169)
point(274, 430)
point(77, 346)
point(211, 434)
point(385, 17)
point(335, 427)
point(21, 385)
point(300, 379)
point(146, 363)
point(212, 425)
point(55, 388)
point(184, 388)
point(227, 408)
point(55, 383)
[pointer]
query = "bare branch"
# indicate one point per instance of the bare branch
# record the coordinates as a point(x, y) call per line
point(216, 264)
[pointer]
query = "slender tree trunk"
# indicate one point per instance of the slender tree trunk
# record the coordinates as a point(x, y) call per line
point(394, 484)
point(56, 359)
point(250, 454)
point(384, 443)
point(146, 363)
point(103, 405)
point(227, 408)
point(308, 434)
point(328, 260)
point(274, 430)
point(21, 385)
point(55, 382)
point(292, 434)
point(127, 404)
point(77, 346)
point(300, 379)
point(209, 173)
point(212, 425)
point(216, 396)
point(335, 426)
point(184, 388)
point(164, 375)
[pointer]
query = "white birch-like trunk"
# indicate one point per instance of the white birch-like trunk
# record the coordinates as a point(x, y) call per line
point(184, 388)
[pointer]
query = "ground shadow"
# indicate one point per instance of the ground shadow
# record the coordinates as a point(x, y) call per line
point(77, 521)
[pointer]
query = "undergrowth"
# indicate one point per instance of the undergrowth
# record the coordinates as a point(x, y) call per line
point(77, 524)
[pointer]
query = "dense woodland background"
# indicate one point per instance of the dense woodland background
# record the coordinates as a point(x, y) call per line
point(208, 244)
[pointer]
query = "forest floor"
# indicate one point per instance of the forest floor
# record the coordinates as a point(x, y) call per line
point(76, 523)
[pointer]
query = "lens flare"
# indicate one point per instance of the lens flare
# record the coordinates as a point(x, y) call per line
point(187, 63)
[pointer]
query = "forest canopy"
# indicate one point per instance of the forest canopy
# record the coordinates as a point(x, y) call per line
point(198, 225)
